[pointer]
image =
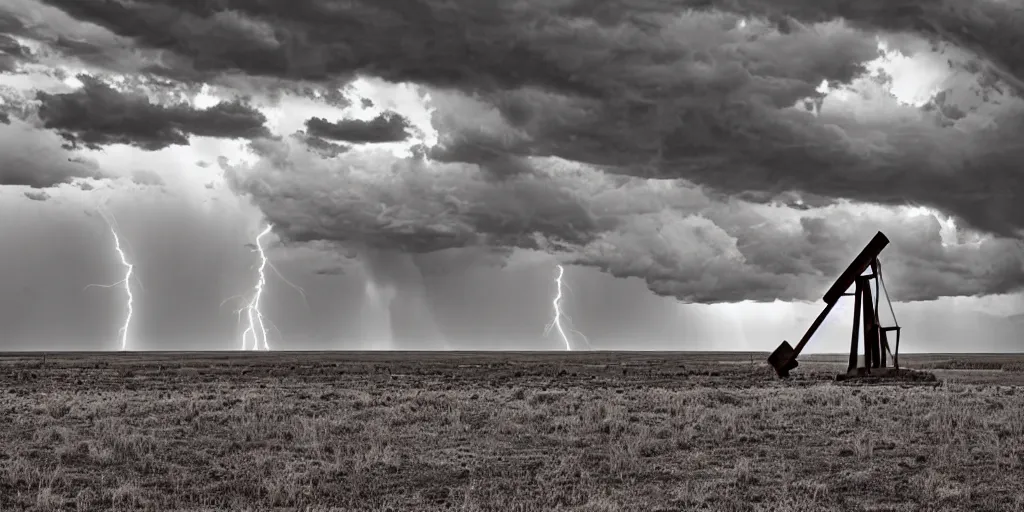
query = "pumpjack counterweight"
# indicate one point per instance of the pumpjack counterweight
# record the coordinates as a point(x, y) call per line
point(875, 336)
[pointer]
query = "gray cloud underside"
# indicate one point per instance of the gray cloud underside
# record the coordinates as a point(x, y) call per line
point(466, 42)
point(420, 210)
point(682, 241)
point(97, 115)
point(648, 89)
point(10, 53)
point(722, 257)
point(325, 148)
point(387, 127)
point(36, 159)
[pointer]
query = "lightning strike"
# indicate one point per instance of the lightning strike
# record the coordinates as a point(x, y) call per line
point(129, 268)
point(556, 305)
point(257, 328)
point(258, 323)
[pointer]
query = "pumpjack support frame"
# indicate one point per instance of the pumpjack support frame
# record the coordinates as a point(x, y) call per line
point(876, 342)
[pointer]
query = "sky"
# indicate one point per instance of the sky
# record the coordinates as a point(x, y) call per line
point(702, 171)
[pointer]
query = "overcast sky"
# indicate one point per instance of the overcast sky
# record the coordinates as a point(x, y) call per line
point(702, 172)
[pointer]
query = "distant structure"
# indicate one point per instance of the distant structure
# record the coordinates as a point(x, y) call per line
point(876, 342)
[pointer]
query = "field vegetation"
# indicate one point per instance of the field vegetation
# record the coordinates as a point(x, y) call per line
point(503, 432)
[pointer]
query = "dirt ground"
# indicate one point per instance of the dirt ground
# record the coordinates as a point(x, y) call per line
point(503, 432)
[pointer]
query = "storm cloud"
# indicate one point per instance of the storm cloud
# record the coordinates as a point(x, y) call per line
point(96, 115)
point(411, 205)
point(10, 53)
point(467, 43)
point(681, 240)
point(719, 151)
point(387, 127)
point(736, 253)
point(325, 148)
point(701, 90)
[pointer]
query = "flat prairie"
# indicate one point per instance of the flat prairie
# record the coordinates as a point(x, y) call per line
point(531, 432)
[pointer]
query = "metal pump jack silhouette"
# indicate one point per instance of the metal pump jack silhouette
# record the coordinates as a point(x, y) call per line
point(876, 343)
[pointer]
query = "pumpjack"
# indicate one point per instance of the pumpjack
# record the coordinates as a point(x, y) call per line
point(876, 337)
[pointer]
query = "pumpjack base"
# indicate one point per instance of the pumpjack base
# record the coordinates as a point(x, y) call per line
point(782, 360)
point(888, 376)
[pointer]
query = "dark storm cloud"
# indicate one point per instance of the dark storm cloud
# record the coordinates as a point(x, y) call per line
point(10, 53)
point(5, 118)
point(11, 25)
point(329, 92)
point(789, 199)
point(61, 37)
point(387, 127)
point(471, 44)
point(992, 28)
point(725, 127)
point(648, 88)
point(387, 203)
point(487, 154)
point(325, 148)
point(332, 95)
point(698, 250)
point(682, 241)
point(97, 115)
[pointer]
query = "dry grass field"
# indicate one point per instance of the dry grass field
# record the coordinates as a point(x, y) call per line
point(503, 432)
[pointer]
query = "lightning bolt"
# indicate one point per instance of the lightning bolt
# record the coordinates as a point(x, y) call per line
point(123, 332)
point(257, 328)
point(258, 323)
point(556, 305)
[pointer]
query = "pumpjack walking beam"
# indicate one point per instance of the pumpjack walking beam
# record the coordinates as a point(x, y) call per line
point(783, 359)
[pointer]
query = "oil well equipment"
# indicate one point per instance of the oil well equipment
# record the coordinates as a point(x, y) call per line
point(875, 336)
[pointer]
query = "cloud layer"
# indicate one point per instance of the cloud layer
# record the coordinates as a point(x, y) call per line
point(719, 151)
point(682, 241)
point(96, 115)
point(387, 127)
